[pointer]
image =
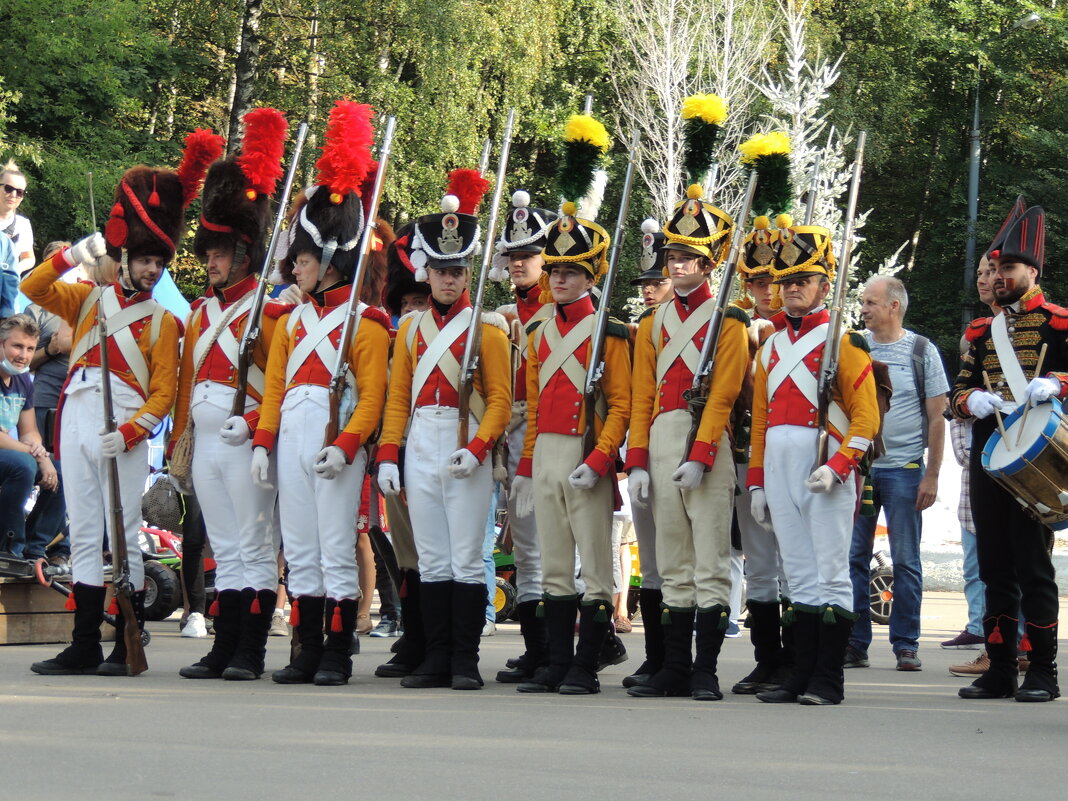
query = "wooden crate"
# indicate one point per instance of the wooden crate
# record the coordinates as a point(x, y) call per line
point(31, 614)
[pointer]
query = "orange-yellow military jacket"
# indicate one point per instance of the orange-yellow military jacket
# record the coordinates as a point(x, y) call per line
point(853, 390)
point(492, 382)
point(157, 343)
point(368, 359)
point(219, 366)
point(558, 407)
point(651, 397)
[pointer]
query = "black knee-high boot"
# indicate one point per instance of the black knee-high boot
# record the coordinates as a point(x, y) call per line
point(115, 664)
point(560, 625)
point(535, 642)
point(649, 602)
point(256, 608)
point(335, 665)
point(805, 631)
point(1040, 683)
point(673, 678)
point(711, 624)
point(595, 624)
point(227, 624)
point(999, 681)
point(436, 668)
point(84, 653)
point(827, 685)
point(468, 617)
point(412, 647)
point(308, 633)
point(767, 649)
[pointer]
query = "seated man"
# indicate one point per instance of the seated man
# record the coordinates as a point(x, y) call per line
point(22, 456)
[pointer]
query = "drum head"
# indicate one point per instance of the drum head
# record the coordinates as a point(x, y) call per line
point(1024, 440)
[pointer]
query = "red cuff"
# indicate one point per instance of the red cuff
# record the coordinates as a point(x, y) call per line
point(1062, 379)
point(350, 443)
point(388, 453)
point(252, 419)
point(754, 477)
point(263, 439)
point(842, 465)
point(600, 461)
point(478, 447)
point(636, 457)
point(65, 263)
point(704, 452)
point(132, 434)
point(525, 467)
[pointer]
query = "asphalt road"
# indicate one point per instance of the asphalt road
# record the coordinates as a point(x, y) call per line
point(897, 736)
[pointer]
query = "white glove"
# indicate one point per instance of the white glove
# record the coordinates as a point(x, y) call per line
point(982, 403)
point(822, 479)
point(261, 468)
point(522, 495)
point(235, 431)
point(1041, 390)
point(688, 476)
point(183, 485)
point(329, 462)
point(462, 463)
point(88, 250)
point(292, 295)
point(389, 479)
point(112, 445)
point(584, 477)
point(758, 507)
point(638, 487)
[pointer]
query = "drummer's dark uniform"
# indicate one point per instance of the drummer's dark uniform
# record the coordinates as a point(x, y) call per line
point(1013, 547)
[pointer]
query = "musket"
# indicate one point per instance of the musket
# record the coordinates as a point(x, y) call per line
point(813, 190)
point(829, 359)
point(92, 202)
point(473, 343)
point(483, 161)
point(697, 395)
point(120, 561)
point(595, 366)
point(252, 325)
point(341, 364)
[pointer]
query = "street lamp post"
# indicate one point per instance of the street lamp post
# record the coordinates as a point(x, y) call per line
point(975, 151)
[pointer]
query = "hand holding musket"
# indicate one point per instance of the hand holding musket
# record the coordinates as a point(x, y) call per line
point(697, 395)
point(473, 343)
point(120, 562)
point(829, 360)
point(595, 368)
point(337, 378)
point(252, 326)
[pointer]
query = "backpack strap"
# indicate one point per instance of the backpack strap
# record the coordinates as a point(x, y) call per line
point(919, 377)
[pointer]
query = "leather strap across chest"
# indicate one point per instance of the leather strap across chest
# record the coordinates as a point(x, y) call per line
point(1010, 365)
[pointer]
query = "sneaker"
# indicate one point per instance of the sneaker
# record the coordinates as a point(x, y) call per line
point(195, 626)
point(977, 667)
point(489, 629)
point(965, 641)
point(386, 627)
point(907, 660)
point(279, 627)
point(733, 630)
point(61, 562)
point(855, 658)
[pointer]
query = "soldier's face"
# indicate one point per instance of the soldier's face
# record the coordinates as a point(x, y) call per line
point(525, 268)
point(446, 285)
point(1012, 280)
point(145, 271)
point(413, 301)
point(762, 290)
point(306, 272)
point(220, 265)
point(569, 283)
point(686, 270)
point(802, 295)
point(984, 282)
point(655, 291)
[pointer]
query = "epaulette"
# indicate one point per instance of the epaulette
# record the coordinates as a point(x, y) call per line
point(508, 309)
point(196, 304)
point(496, 320)
point(617, 328)
point(1059, 320)
point(737, 314)
point(533, 324)
point(379, 316)
point(275, 309)
point(646, 313)
point(977, 327)
point(857, 340)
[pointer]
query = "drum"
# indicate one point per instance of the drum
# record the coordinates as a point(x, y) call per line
point(1031, 461)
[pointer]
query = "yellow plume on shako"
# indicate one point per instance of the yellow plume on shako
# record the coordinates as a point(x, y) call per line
point(767, 144)
point(584, 128)
point(710, 108)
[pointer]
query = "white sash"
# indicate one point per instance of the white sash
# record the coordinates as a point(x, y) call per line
point(562, 353)
point(218, 331)
point(682, 334)
point(1010, 365)
point(439, 354)
point(317, 335)
point(119, 319)
point(791, 365)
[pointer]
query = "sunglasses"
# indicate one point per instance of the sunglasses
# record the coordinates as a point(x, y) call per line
point(14, 190)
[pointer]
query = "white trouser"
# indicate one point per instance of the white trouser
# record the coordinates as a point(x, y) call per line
point(448, 514)
point(693, 542)
point(645, 531)
point(318, 516)
point(764, 577)
point(237, 513)
point(525, 547)
point(85, 487)
point(813, 529)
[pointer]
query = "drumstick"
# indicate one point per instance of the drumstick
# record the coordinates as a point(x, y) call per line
point(1027, 409)
point(997, 412)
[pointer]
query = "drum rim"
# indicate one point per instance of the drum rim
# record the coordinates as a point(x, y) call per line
point(1021, 461)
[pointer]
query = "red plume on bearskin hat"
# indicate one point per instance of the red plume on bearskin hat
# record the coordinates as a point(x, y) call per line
point(147, 217)
point(331, 222)
point(235, 212)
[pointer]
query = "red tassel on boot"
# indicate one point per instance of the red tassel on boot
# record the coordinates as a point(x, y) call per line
point(335, 619)
point(71, 605)
point(294, 613)
point(995, 637)
point(113, 607)
point(1025, 643)
point(213, 610)
point(255, 607)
